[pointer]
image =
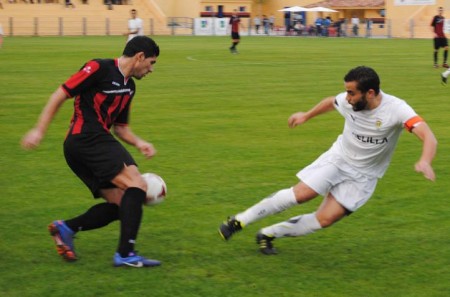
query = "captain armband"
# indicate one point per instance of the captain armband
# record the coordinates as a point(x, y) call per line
point(413, 122)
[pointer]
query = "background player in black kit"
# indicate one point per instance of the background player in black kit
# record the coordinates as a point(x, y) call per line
point(439, 40)
point(235, 24)
point(102, 90)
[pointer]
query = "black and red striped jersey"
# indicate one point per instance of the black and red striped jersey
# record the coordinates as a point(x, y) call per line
point(234, 22)
point(102, 97)
point(438, 24)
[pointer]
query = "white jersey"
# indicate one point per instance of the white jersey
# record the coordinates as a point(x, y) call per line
point(133, 25)
point(370, 136)
point(355, 21)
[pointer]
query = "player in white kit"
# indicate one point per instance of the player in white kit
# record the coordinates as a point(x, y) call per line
point(135, 27)
point(346, 175)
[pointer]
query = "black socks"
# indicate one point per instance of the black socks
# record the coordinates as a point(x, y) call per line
point(100, 215)
point(97, 216)
point(130, 213)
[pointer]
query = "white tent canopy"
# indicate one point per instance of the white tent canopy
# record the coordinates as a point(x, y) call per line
point(316, 9)
point(322, 9)
point(294, 9)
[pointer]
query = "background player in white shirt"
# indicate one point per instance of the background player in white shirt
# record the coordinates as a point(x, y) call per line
point(1, 35)
point(135, 27)
point(346, 175)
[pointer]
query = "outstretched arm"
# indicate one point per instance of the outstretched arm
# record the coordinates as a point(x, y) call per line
point(424, 133)
point(324, 106)
point(33, 138)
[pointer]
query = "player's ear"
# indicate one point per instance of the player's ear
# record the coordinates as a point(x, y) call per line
point(140, 56)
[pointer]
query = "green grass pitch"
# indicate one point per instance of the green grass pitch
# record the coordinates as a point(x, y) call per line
point(219, 123)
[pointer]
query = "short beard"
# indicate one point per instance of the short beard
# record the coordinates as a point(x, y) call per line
point(361, 104)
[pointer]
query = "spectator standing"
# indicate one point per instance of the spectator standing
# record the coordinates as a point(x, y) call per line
point(271, 22)
point(318, 23)
point(266, 24)
point(326, 24)
point(355, 25)
point(369, 27)
point(337, 25)
point(257, 23)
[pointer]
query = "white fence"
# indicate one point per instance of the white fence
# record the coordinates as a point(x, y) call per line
point(78, 26)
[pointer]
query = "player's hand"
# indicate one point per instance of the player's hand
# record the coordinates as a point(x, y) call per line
point(297, 119)
point(146, 148)
point(426, 169)
point(32, 139)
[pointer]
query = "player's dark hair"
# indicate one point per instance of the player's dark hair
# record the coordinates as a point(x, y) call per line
point(365, 77)
point(141, 44)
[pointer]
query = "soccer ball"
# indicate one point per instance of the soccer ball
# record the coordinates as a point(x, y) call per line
point(156, 188)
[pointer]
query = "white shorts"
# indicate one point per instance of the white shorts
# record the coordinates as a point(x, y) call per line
point(331, 174)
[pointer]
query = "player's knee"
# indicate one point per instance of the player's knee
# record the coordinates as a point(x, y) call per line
point(113, 195)
point(135, 182)
point(326, 221)
point(303, 193)
point(141, 184)
point(130, 177)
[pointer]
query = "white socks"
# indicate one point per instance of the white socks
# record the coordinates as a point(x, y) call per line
point(296, 226)
point(278, 202)
point(281, 200)
point(446, 73)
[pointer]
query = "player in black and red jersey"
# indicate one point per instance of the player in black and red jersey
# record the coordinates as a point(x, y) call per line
point(103, 90)
point(440, 40)
point(235, 23)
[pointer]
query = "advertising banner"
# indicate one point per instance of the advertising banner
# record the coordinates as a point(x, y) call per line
point(414, 2)
point(211, 26)
point(447, 26)
point(221, 26)
point(203, 26)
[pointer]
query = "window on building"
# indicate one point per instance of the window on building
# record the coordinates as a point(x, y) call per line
point(242, 9)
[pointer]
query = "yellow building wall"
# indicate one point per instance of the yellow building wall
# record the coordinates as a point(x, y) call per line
point(271, 7)
point(399, 18)
point(228, 5)
point(402, 16)
point(179, 8)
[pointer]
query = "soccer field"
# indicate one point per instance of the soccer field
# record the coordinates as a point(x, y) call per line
point(219, 123)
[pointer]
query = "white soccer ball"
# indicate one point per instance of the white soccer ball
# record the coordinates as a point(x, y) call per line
point(156, 188)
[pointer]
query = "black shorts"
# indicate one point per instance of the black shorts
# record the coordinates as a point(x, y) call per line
point(440, 42)
point(96, 159)
point(235, 35)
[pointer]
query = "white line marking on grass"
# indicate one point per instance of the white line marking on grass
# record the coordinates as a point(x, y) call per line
point(273, 63)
